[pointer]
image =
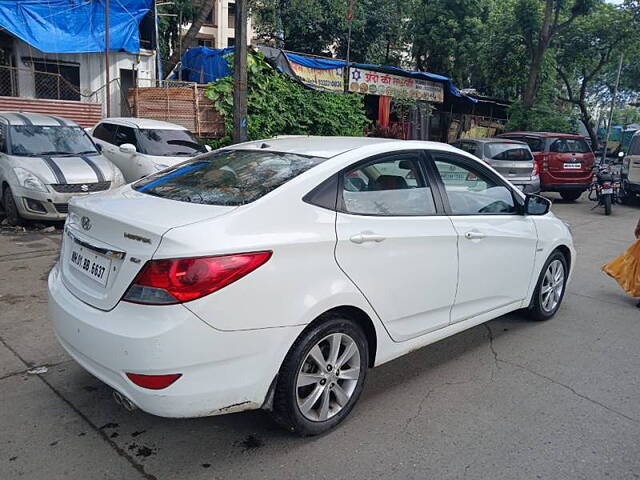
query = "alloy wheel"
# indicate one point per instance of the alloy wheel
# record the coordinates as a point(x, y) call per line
point(328, 377)
point(552, 286)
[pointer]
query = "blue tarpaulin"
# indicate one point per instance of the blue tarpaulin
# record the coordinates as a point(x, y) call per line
point(204, 65)
point(74, 26)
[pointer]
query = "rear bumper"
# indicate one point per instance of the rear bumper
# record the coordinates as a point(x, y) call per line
point(528, 186)
point(563, 187)
point(222, 372)
point(632, 187)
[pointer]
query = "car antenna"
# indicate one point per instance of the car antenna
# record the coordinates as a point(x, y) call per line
point(265, 145)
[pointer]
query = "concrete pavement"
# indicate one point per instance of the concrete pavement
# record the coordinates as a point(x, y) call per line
point(511, 399)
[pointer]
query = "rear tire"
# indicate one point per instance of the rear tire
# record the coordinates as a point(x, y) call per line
point(550, 288)
point(570, 195)
point(607, 204)
point(10, 208)
point(321, 377)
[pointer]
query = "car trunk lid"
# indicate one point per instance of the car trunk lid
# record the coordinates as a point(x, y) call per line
point(109, 237)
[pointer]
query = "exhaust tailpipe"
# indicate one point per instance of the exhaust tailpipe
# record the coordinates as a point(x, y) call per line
point(123, 401)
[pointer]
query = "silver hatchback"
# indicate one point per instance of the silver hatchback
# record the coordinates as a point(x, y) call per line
point(511, 158)
point(44, 162)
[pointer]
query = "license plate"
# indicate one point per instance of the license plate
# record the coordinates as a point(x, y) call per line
point(572, 165)
point(604, 191)
point(91, 264)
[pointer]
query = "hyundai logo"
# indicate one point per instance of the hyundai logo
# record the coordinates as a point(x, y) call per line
point(84, 188)
point(86, 223)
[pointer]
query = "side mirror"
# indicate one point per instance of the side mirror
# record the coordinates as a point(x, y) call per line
point(128, 148)
point(208, 148)
point(536, 205)
point(620, 154)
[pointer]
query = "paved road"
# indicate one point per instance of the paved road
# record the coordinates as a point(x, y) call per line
point(508, 400)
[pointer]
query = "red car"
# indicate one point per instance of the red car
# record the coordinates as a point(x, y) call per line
point(565, 161)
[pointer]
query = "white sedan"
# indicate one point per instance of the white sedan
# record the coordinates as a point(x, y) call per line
point(273, 274)
point(141, 146)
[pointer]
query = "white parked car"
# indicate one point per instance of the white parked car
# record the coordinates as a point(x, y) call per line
point(44, 162)
point(273, 274)
point(140, 147)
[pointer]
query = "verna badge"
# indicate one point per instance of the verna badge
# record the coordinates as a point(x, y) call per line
point(86, 223)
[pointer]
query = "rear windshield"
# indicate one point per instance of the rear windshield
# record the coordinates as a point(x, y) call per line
point(169, 143)
point(35, 140)
point(227, 177)
point(508, 151)
point(569, 145)
point(535, 144)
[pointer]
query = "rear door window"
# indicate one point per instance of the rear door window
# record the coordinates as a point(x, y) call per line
point(634, 149)
point(389, 186)
point(469, 147)
point(227, 177)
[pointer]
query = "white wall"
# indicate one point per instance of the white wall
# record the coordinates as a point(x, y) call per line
point(92, 72)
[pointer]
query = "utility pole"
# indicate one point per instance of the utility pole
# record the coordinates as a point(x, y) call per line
point(613, 104)
point(106, 56)
point(346, 68)
point(240, 74)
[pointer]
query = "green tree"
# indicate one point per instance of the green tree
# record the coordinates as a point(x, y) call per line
point(320, 27)
point(540, 22)
point(169, 26)
point(445, 37)
point(590, 49)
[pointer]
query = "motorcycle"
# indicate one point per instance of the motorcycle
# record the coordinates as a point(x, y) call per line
point(605, 188)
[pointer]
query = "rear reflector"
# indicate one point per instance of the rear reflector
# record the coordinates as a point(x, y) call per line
point(165, 282)
point(153, 382)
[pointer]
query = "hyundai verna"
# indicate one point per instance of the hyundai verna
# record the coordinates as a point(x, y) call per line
point(273, 274)
point(45, 161)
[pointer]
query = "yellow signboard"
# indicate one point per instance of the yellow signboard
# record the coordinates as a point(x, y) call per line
point(331, 79)
point(376, 83)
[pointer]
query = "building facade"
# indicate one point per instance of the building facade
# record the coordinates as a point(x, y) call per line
point(218, 30)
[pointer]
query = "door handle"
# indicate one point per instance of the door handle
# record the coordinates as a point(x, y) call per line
point(365, 237)
point(474, 235)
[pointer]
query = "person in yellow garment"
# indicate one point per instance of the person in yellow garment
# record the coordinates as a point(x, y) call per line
point(637, 232)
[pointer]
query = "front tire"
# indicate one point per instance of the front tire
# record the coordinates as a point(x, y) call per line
point(10, 208)
point(607, 204)
point(321, 377)
point(570, 195)
point(549, 291)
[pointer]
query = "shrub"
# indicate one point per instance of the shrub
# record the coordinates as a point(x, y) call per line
point(277, 105)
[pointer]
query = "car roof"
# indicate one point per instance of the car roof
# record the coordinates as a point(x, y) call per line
point(323, 147)
point(144, 123)
point(492, 140)
point(38, 119)
point(543, 134)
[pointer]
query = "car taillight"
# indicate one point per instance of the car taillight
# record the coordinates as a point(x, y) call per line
point(170, 281)
point(535, 172)
point(153, 382)
point(606, 185)
point(545, 163)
